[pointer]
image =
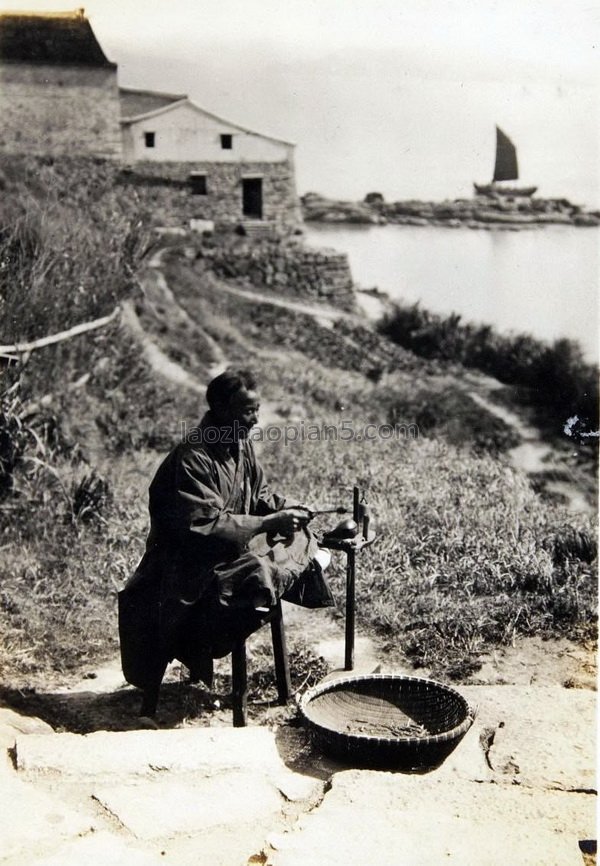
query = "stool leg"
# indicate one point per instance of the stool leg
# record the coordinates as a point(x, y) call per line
point(280, 655)
point(150, 702)
point(151, 693)
point(239, 684)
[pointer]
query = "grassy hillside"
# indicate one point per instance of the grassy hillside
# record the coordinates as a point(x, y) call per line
point(468, 555)
point(554, 379)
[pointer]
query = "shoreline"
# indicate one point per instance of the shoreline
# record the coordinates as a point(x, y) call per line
point(480, 212)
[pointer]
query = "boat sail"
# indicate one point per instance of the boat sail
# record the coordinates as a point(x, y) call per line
point(505, 168)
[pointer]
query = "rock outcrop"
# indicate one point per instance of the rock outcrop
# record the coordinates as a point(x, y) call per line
point(479, 212)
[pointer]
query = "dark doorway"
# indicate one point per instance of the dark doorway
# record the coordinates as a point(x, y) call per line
point(252, 201)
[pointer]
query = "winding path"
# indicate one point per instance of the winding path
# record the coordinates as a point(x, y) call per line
point(533, 455)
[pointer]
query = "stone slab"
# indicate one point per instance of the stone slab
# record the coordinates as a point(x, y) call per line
point(12, 724)
point(400, 820)
point(468, 760)
point(29, 817)
point(543, 736)
point(98, 849)
point(209, 750)
point(163, 808)
point(228, 846)
point(295, 787)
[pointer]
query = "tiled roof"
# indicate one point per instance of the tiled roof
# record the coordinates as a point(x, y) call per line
point(56, 39)
point(134, 102)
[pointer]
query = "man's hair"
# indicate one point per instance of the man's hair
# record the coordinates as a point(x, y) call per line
point(222, 388)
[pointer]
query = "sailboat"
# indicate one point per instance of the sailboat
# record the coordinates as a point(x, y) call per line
point(505, 168)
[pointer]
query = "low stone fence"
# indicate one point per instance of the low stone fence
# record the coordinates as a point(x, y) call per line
point(294, 270)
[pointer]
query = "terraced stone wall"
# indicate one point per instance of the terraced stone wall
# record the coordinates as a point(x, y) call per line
point(290, 268)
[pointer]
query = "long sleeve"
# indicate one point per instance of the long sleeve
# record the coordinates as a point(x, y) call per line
point(201, 503)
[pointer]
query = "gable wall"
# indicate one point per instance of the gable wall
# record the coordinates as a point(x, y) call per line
point(51, 110)
point(187, 134)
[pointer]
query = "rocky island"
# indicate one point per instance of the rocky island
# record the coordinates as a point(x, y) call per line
point(479, 212)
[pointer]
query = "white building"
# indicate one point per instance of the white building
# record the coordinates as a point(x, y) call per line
point(236, 173)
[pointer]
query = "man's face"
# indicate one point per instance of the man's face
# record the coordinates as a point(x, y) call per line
point(243, 408)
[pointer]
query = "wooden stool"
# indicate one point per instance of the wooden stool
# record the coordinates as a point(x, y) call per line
point(239, 673)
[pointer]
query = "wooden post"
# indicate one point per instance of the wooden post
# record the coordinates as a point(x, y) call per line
point(350, 607)
point(239, 684)
point(351, 591)
point(280, 656)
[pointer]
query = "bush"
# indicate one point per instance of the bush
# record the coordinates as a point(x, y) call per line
point(559, 381)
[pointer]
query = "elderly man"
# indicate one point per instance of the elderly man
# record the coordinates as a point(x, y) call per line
point(221, 550)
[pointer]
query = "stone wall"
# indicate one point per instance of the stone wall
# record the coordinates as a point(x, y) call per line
point(223, 199)
point(288, 267)
point(53, 111)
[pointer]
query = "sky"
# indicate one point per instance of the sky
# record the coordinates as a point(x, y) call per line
point(397, 96)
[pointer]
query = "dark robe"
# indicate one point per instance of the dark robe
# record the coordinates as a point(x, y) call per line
point(207, 566)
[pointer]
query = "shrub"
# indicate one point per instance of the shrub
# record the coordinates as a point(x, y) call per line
point(559, 381)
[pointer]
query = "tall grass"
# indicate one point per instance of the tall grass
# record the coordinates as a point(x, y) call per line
point(467, 556)
point(69, 249)
point(70, 245)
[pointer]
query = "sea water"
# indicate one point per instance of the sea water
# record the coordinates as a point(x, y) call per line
point(540, 281)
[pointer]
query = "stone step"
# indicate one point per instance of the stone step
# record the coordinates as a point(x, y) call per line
point(517, 789)
point(32, 818)
point(167, 807)
point(260, 229)
point(147, 752)
point(397, 820)
point(539, 736)
point(130, 797)
point(97, 849)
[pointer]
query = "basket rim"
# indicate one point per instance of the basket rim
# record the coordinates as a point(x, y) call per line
point(432, 739)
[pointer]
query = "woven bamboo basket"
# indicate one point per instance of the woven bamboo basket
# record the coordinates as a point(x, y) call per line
point(386, 721)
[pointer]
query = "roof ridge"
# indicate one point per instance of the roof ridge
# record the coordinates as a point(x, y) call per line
point(55, 38)
point(147, 90)
point(155, 112)
point(238, 125)
point(32, 13)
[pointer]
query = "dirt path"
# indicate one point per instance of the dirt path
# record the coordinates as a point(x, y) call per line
point(533, 455)
point(156, 293)
point(325, 316)
point(156, 358)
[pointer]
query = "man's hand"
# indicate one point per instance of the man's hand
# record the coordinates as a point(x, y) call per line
point(285, 522)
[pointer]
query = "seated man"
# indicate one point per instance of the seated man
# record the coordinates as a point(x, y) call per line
point(221, 549)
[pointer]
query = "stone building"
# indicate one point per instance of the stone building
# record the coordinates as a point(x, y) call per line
point(59, 96)
point(233, 173)
point(58, 92)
